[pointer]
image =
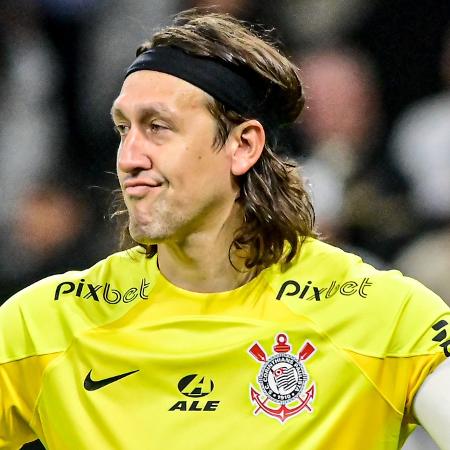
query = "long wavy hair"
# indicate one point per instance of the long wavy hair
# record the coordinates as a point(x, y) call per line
point(277, 211)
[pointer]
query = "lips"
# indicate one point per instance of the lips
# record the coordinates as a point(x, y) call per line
point(140, 187)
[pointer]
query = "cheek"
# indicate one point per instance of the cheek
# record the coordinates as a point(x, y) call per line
point(196, 163)
point(187, 166)
point(210, 170)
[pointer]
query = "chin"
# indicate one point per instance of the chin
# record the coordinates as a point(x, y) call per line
point(147, 234)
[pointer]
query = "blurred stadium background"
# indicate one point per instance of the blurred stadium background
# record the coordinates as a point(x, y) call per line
point(374, 142)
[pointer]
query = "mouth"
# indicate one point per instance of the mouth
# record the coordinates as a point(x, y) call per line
point(140, 188)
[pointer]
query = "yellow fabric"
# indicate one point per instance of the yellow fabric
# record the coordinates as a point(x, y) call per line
point(19, 391)
point(187, 379)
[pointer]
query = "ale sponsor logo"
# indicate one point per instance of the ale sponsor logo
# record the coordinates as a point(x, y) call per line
point(195, 386)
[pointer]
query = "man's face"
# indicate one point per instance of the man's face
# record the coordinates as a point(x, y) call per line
point(174, 180)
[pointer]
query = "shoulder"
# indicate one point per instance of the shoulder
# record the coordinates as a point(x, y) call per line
point(363, 309)
point(44, 317)
point(327, 270)
point(325, 265)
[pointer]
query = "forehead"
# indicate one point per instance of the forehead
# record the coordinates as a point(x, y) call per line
point(147, 87)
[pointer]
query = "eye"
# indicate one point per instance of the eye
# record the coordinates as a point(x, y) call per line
point(157, 127)
point(121, 129)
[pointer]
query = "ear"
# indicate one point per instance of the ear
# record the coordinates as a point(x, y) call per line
point(246, 143)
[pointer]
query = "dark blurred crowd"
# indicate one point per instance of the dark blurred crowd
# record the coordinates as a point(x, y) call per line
point(373, 143)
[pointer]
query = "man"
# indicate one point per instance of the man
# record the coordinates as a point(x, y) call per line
point(230, 326)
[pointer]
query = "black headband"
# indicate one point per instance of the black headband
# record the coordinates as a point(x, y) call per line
point(225, 82)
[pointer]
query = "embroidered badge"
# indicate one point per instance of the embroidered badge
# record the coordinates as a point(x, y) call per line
point(283, 380)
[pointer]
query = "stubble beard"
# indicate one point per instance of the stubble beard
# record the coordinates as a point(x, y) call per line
point(168, 221)
point(158, 225)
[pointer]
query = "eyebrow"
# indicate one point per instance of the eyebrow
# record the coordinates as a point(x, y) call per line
point(145, 110)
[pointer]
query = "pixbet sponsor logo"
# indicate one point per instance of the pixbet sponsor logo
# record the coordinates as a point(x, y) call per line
point(106, 292)
point(308, 291)
point(195, 386)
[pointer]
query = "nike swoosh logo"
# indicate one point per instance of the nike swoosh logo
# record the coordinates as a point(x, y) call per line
point(93, 385)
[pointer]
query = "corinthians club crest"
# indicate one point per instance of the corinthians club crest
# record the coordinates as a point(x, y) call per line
point(283, 380)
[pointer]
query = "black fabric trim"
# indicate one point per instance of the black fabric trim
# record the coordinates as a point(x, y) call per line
point(224, 82)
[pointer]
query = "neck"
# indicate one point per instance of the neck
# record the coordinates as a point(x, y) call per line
point(201, 262)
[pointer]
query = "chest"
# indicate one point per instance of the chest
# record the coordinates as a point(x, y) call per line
point(222, 383)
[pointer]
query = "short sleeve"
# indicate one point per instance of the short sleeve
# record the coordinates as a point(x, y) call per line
point(422, 336)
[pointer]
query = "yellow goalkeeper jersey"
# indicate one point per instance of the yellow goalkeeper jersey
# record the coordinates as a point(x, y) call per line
point(323, 353)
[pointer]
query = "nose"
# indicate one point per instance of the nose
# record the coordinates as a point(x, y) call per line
point(133, 155)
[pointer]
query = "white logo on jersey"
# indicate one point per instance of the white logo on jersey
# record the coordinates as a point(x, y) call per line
point(283, 379)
